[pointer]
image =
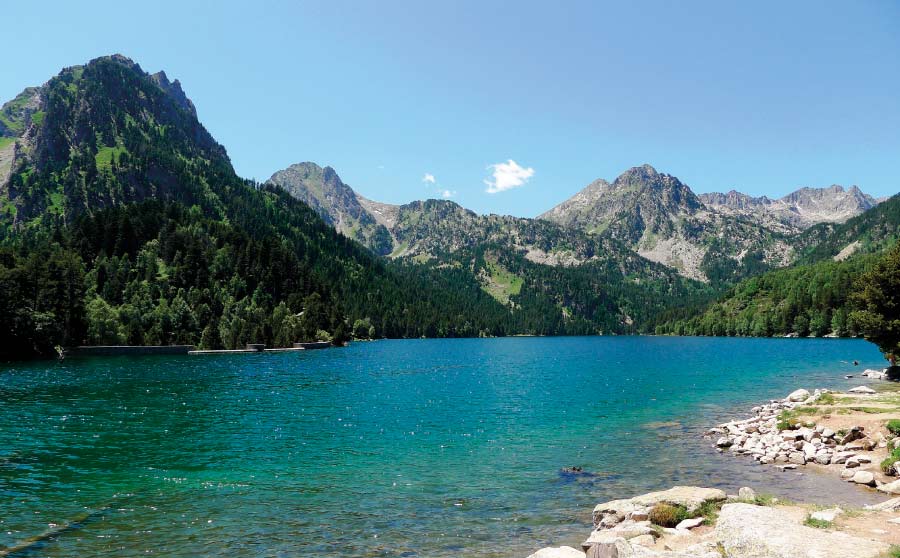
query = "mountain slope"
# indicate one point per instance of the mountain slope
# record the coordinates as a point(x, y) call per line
point(663, 220)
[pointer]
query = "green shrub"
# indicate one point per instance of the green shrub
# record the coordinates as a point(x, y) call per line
point(893, 426)
point(826, 399)
point(709, 510)
point(817, 523)
point(787, 421)
point(889, 461)
point(667, 515)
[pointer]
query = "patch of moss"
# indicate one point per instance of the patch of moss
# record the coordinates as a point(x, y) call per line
point(817, 523)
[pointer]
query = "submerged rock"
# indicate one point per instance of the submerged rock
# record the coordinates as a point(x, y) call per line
point(748, 531)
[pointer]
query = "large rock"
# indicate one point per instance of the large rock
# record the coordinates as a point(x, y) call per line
point(891, 487)
point(605, 545)
point(863, 477)
point(748, 531)
point(890, 505)
point(558, 552)
point(798, 395)
point(863, 390)
point(691, 497)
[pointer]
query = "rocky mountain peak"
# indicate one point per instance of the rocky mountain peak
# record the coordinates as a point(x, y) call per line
point(323, 190)
point(174, 90)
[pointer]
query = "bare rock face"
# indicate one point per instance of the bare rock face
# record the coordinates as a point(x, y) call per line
point(748, 531)
point(663, 220)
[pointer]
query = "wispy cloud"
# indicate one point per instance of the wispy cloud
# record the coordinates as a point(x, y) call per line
point(429, 178)
point(447, 194)
point(506, 176)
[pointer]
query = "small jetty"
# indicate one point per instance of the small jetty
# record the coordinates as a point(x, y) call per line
point(127, 350)
point(259, 348)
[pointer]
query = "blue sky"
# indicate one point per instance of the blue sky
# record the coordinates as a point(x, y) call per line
point(511, 107)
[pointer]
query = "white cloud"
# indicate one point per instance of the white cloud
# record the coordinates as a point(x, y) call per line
point(447, 194)
point(429, 178)
point(506, 176)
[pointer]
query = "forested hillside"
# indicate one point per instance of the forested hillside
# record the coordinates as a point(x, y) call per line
point(812, 297)
point(124, 222)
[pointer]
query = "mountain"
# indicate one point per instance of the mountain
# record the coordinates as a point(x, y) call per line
point(122, 221)
point(662, 219)
point(536, 267)
point(334, 201)
point(796, 211)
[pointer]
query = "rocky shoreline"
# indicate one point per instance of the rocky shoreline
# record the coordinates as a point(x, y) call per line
point(850, 434)
point(840, 432)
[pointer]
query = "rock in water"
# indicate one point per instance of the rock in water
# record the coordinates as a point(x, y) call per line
point(891, 505)
point(559, 552)
point(748, 531)
point(863, 477)
point(891, 487)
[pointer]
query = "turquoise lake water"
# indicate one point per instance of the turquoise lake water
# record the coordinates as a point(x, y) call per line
point(426, 448)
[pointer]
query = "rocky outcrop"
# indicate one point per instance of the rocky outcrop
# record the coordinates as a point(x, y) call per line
point(748, 531)
point(689, 497)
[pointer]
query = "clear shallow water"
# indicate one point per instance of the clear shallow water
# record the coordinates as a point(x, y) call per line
point(395, 448)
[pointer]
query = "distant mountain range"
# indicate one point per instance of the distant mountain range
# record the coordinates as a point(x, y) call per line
point(800, 209)
point(718, 237)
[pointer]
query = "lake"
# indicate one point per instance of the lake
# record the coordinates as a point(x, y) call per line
point(427, 448)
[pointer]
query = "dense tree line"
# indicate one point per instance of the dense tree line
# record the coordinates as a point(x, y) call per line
point(877, 304)
point(805, 300)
